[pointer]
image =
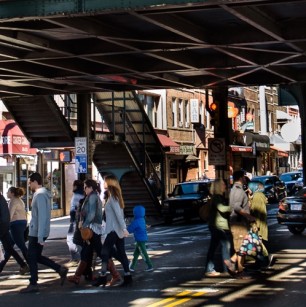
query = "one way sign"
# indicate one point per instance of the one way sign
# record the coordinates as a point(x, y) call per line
point(216, 151)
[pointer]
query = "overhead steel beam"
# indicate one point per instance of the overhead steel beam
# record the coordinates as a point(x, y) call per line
point(47, 8)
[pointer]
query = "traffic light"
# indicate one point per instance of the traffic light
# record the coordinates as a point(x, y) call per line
point(214, 113)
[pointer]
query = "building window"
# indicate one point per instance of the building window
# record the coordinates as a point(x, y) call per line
point(186, 114)
point(201, 113)
point(174, 113)
point(180, 113)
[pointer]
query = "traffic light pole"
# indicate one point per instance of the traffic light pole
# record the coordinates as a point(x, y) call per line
point(222, 127)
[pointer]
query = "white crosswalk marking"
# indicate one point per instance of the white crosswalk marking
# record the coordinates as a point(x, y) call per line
point(181, 230)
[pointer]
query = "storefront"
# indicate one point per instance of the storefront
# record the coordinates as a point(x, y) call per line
point(172, 161)
point(17, 159)
point(279, 160)
point(250, 152)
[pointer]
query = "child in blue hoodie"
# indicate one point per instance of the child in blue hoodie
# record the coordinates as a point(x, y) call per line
point(138, 227)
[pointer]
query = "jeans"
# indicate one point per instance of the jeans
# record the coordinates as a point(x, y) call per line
point(88, 249)
point(108, 250)
point(9, 251)
point(35, 257)
point(218, 236)
point(17, 229)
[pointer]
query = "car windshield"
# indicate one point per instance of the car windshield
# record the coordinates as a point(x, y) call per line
point(290, 177)
point(190, 188)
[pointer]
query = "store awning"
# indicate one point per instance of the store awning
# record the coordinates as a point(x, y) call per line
point(12, 140)
point(168, 143)
point(282, 115)
point(280, 152)
point(262, 142)
point(191, 158)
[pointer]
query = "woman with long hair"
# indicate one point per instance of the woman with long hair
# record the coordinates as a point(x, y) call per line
point(115, 231)
point(90, 217)
point(218, 225)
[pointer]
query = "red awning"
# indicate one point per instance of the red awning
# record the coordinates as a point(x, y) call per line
point(168, 143)
point(12, 140)
point(241, 148)
point(280, 152)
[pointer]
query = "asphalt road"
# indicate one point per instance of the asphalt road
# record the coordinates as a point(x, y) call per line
point(178, 253)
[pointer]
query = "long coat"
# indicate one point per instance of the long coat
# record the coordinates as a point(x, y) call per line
point(259, 211)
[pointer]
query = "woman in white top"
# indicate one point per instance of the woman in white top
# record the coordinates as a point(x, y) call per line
point(115, 231)
point(18, 215)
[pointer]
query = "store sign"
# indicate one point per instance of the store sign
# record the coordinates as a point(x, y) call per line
point(12, 140)
point(194, 110)
point(20, 144)
point(186, 150)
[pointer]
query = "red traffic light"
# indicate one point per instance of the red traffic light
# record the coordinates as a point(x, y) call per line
point(213, 106)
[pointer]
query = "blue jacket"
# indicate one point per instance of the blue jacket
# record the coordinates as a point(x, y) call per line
point(138, 225)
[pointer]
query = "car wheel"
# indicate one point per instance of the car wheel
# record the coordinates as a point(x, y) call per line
point(296, 229)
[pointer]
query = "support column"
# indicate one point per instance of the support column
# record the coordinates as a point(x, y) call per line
point(222, 127)
point(302, 109)
point(84, 128)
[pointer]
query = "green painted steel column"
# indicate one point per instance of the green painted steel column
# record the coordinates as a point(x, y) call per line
point(84, 128)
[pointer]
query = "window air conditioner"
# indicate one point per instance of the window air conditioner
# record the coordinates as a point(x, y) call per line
point(180, 124)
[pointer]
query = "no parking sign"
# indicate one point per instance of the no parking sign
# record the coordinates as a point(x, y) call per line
point(216, 151)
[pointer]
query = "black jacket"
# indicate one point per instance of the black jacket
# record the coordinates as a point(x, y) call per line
point(4, 216)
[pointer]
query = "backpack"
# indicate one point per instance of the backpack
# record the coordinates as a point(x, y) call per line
point(205, 211)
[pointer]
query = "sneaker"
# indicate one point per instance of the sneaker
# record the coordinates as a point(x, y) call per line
point(30, 289)
point(271, 260)
point(212, 274)
point(149, 269)
point(267, 262)
point(132, 269)
point(63, 274)
point(24, 269)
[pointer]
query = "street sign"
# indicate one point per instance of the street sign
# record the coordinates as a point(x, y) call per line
point(80, 146)
point(80, 155)
point(81, 164)
point(216, 151)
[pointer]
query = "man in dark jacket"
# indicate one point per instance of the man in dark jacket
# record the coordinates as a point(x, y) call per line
point(6, 239)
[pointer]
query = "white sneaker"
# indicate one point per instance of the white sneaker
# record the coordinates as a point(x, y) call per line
point(131, 268)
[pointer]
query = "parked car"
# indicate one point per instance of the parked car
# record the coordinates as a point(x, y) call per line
point(298, 184)
point(292, 212)
point(290, 179)
point(186, 200)
point(275, 189)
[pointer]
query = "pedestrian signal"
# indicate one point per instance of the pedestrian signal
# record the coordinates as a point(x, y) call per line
point(65, 156)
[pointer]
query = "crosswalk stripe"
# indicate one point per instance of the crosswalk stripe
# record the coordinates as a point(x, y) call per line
point(176, 300)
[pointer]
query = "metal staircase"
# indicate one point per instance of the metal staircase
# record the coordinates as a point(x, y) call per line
point(130, 149)
point(41, 121)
